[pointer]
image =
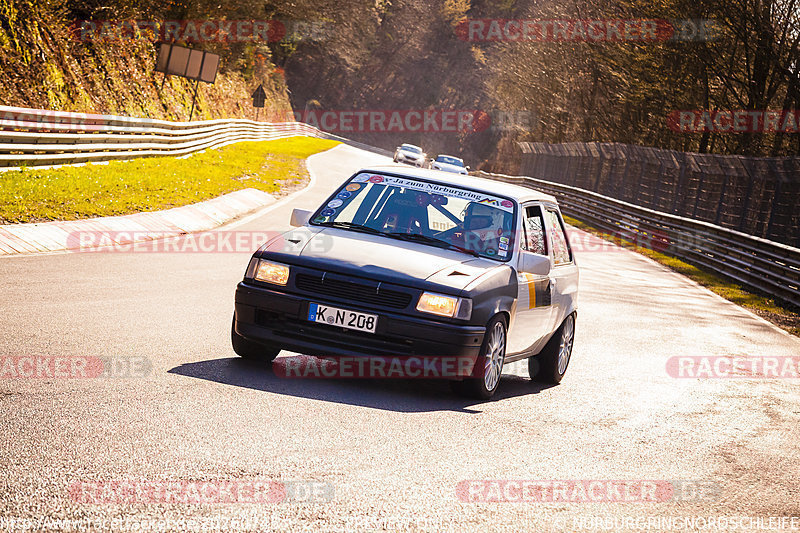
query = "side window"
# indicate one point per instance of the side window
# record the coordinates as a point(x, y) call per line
point(561, 251)
point(534, 240)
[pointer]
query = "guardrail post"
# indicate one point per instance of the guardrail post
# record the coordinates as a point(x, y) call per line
point(721, 203)
point(775, 196)
point(680, 185)
point(746, 207)
point(698, 191)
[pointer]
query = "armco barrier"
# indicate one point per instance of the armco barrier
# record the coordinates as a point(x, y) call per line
point(41, 138)
point(769, 267)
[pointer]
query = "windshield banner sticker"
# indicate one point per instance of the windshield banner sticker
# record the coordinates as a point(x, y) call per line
point(443, 190)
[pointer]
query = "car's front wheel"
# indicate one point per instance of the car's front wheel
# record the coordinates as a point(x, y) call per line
point(550, 365)
point(489, 366)
point(249, 349)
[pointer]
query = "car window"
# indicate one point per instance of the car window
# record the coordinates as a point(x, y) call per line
point(406, 208)
point(450, 160)
point(534, 240)
point(561, 251)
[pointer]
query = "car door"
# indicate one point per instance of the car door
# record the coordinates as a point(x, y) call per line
point(533, 317)
point(564, 274)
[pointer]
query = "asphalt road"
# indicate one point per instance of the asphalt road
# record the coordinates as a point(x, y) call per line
point(380, 454)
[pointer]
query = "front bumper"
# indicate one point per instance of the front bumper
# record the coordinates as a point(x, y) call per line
point(414, 162)
point(280, 319)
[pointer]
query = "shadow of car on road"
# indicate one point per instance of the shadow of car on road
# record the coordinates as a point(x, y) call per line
point(401, 395)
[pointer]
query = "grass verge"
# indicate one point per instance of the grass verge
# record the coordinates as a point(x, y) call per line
point(149, 184)
point(761, 305)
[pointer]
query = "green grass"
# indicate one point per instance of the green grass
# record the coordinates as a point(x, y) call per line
point(148, 184)
point(763, 306)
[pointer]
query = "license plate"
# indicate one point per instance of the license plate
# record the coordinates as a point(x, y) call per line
point(333, 316)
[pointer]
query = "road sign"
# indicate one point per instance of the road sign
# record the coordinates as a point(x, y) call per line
point(197, 65)
point(259, 97)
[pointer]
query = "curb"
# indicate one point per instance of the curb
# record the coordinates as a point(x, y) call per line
point(35, 238)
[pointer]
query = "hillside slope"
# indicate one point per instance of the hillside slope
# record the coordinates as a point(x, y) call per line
point(45, 64)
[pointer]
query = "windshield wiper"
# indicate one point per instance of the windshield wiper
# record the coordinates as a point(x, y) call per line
point(351, 226)
point(418, 237)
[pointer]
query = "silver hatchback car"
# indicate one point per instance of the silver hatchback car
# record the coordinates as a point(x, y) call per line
point(422, 264)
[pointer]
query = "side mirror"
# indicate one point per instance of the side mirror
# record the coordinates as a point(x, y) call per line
point(467, 167)
point(300, 217)
point(538, 265)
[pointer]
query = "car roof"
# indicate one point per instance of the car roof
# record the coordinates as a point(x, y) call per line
point(521, 194)
point(410, 146)
point(450, 156)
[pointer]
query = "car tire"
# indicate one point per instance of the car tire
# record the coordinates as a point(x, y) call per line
point(252, 351)
point(550, 365)
point(489, 367)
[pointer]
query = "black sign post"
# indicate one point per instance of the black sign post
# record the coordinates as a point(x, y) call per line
point(259, 97)
point(196, 65)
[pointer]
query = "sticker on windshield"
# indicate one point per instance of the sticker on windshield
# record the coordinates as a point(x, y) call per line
point(327, 212)
point(504, 240)
point(361, 178)
point(376, 179)
point(344, 195)
point(353, 187)
point(335, 203)
point(453, 192)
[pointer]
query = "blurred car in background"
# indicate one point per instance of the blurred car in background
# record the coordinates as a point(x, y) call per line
point(410, 155)
point(448, 163)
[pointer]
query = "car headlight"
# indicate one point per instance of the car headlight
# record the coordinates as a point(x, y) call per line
point(271, 272)
point(442, 305)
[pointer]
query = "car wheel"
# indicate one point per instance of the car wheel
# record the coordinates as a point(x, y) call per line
point(489, 367)
point(251, 350)
point(550, 365)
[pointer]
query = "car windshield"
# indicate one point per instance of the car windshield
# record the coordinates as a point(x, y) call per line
point(430, 213)
point(410, 148)
point(450, 160)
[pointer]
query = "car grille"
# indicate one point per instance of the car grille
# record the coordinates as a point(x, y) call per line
point(352, 291)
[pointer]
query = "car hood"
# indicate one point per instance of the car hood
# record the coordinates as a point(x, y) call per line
point(376, 257)
point(447, 167)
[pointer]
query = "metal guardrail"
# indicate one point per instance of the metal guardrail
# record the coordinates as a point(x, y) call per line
point(769, 267)
point(41, 138)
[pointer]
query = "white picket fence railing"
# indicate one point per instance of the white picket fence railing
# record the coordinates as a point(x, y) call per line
point(41, 138)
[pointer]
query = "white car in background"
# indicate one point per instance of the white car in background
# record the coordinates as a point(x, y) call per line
point(410, 155)
point(448, 163)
